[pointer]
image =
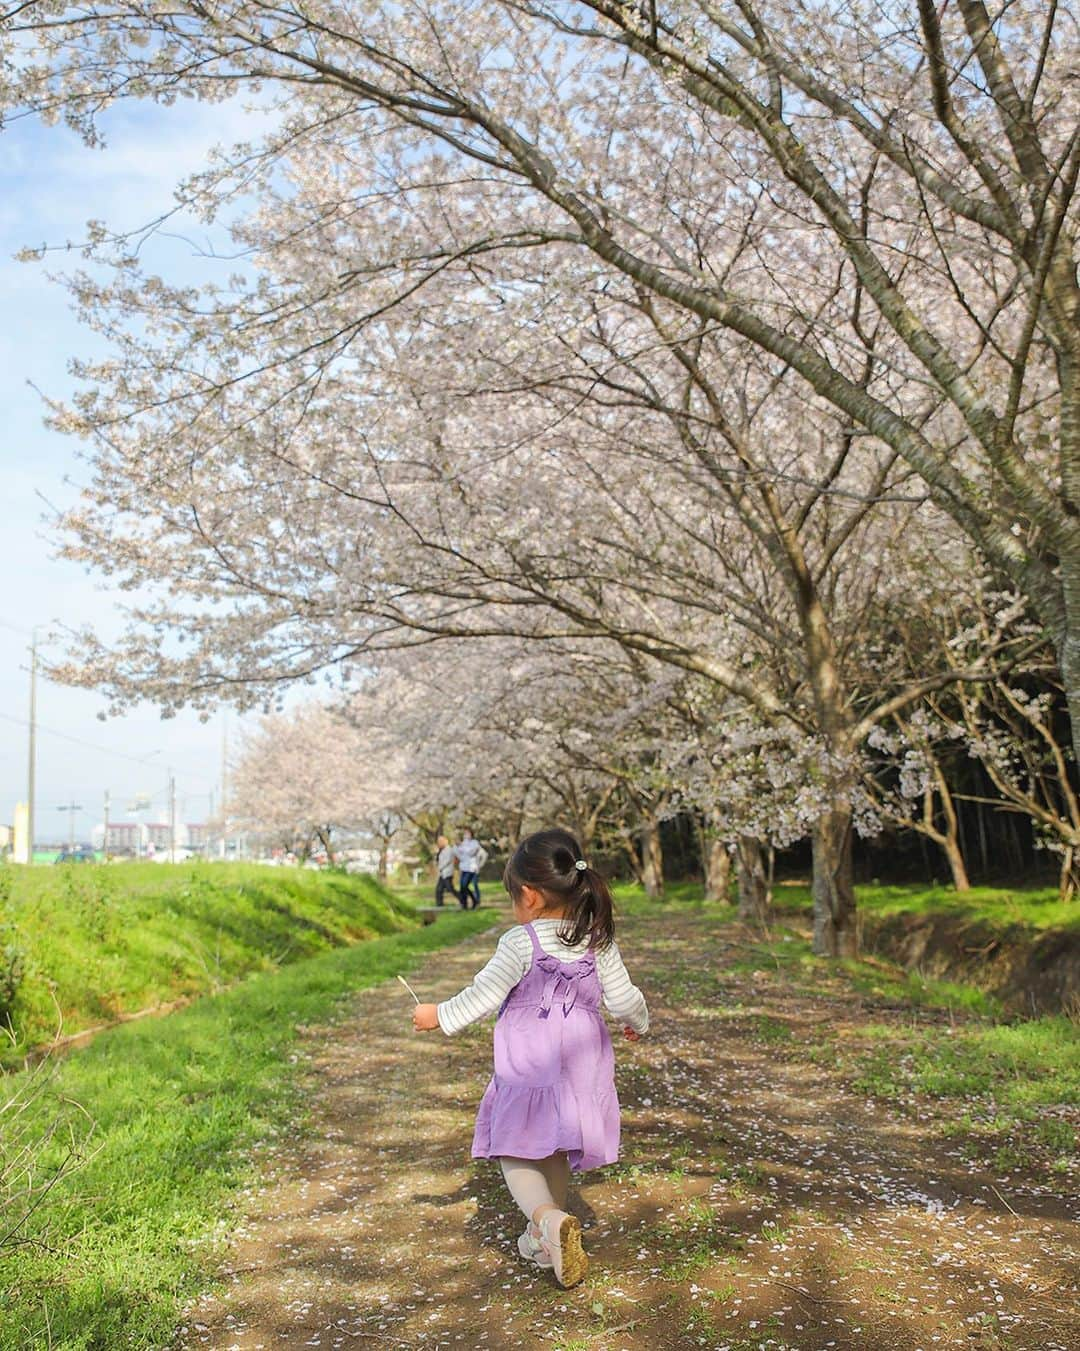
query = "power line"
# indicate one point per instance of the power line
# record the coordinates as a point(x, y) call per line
point(66, 736)
point(93, 746)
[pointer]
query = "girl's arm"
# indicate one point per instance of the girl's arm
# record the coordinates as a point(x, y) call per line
point(622, 999)
point(485, 992)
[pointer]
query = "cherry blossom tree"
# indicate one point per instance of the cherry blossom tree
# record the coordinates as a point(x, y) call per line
point(308, 775)
point(910, 787)
point(928, 166)
point(665, 202)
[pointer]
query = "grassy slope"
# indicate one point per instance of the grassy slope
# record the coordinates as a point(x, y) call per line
point(110, 939)
point(1032, 907)
point(180, 1104)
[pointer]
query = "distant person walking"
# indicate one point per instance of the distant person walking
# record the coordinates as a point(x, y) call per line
point(445, 865)
point(471, 857)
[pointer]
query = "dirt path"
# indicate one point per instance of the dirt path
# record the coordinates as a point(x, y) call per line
point(760, 1202)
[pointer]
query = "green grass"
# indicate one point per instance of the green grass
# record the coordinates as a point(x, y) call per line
point(1031, 1064)
point(630, 899)
point(790, 955)
point(1009, 1077)
point(95, 941)
point(179, 1105)
point(1033, 907)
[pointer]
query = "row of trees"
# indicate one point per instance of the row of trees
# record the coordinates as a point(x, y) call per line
point(715, 368)
point(508, 736)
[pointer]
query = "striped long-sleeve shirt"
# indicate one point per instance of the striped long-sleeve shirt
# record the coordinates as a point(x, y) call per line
point(513, 957)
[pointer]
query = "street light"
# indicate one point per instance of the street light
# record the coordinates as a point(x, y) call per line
point(71, 809)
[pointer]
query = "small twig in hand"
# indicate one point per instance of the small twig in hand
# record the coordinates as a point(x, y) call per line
point(409, 988)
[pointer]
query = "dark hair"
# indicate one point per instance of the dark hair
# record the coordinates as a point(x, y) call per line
point(548, 861)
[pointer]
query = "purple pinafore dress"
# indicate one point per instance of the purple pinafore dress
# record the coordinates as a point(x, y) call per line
point(554, 1083)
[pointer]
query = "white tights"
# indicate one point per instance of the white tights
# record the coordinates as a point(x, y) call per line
point(537, 1182)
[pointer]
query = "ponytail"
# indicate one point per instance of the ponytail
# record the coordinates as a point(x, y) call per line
point(550, 861)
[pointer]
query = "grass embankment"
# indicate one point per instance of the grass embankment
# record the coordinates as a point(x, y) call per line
point(179, 1105)
point(1008, 1089)
point(1000, 907)
point(97, 941)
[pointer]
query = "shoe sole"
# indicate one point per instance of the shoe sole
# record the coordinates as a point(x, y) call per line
point(574, 1264)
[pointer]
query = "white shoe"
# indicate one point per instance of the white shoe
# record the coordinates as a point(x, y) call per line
point(562, 1238)
point(532, 1248)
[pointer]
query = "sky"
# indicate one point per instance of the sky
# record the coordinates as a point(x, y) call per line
point(50, 185)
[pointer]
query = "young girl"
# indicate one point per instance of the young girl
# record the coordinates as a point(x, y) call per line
point(550, 1106)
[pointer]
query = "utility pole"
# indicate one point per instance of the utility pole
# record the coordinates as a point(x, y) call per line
point(225, 784)
point(32, 766)
point(71, 809)
point(105, 839)
point(172, 818)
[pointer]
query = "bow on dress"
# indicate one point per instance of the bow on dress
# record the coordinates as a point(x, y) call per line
point(563, 978)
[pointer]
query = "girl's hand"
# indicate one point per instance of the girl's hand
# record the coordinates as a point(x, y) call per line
point(425, 1017)
point(630, 1034)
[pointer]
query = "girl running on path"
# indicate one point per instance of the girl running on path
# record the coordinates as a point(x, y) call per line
point(550, 1106)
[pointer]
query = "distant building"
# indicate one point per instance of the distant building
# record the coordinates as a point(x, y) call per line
point(123, 837)
point(195, 836)
point(159, 834)
point(152, 837)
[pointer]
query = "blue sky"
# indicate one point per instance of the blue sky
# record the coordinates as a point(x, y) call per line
point(50, 185)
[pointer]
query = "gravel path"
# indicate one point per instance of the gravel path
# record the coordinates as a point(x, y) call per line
point(760, 1202)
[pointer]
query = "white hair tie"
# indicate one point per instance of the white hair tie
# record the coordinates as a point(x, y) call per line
point(581, 865)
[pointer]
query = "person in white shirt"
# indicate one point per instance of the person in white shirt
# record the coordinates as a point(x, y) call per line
point(445, 865)
point(471, 857)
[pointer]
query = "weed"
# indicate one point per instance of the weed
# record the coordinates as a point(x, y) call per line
point(12, 969)
point(771, 1029)
point(1007, 1158)
point(749, 1174)
point(700, 1212)
point(1056, 1134)
point(701, 1325)
point(772, 1231)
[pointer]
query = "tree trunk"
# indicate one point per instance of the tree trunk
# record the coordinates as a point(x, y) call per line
point(716, 864)
point(630, 850)
point(384, 859)
point(652, 858)
point(835, 931)
point(1067, 882)
point(950, 838)
point(753, 884)
point(951, 849)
